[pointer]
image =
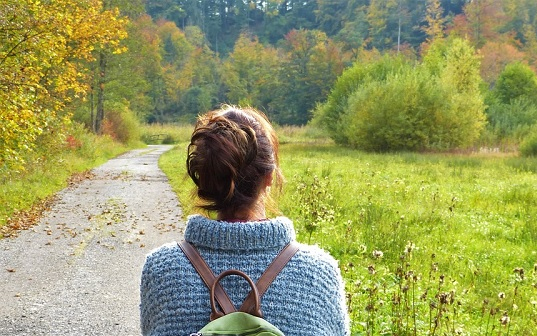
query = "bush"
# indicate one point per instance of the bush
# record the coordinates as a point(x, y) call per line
point(121, 124)
point(391, 115)
point(511, 119)
point(528, 147)
point(390, 104)
point(516, 80)
point(412, 110)
point(329, 115)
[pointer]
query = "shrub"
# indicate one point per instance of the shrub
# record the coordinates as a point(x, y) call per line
point(528, 147)
point(412, 110)
point(390, 104)
point(121, 124)
point(508, 119)
point(329, 115)
point(168, 140)
point(516, 80)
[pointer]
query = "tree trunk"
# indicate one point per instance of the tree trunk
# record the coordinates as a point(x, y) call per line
point(100, 93)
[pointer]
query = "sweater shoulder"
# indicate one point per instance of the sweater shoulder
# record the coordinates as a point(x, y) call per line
point(162, 257)
point(316, 256)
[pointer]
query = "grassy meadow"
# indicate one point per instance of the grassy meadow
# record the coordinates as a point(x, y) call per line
point(428, 244)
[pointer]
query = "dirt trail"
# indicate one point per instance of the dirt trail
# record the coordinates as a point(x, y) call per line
point(77, 272)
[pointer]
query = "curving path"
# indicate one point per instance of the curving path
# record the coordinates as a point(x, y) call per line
point(77, 272)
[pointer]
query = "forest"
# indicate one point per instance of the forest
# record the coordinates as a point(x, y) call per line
point(378, 75)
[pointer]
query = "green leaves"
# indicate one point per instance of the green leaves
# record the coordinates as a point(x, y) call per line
point(41, 44)
point(391, 104)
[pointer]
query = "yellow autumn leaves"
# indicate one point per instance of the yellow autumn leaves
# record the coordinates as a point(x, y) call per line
point(45, 47)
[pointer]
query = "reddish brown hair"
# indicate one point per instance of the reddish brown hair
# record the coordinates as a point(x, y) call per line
point(230, 154)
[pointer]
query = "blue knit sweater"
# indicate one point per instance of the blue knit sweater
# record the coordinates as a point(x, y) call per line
point(307, 297)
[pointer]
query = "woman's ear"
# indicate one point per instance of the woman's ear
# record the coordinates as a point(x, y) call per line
point(268, 179)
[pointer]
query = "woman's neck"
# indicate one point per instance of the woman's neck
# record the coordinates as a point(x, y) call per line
point(257, 213)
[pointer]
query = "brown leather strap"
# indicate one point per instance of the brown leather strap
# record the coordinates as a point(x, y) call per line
point(251, 303)
point(214, 310)
point(272, 271)
point(207, 276)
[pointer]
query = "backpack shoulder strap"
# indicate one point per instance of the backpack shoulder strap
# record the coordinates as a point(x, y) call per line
point(207, 276)
point(269, 275)
point(249, 304)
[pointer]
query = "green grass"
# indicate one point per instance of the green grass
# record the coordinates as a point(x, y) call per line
point(165, 133)
point(48, 170)
point(428, 244)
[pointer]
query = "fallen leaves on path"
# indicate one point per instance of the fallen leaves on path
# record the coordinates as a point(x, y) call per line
point(25, 219)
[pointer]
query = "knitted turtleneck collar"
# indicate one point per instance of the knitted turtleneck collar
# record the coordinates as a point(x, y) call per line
point(271, 233)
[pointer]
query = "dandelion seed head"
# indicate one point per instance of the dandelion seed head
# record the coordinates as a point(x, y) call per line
point(409, 247)
point(378, 254)
point(504, 320)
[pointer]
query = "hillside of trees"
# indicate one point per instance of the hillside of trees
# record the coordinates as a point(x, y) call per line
point(113, 63)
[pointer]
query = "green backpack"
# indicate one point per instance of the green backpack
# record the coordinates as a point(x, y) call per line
point(248, 321)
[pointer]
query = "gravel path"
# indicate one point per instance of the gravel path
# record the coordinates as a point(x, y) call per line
point(77, 272)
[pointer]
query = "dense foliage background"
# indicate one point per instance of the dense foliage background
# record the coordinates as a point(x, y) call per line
point(379, 75)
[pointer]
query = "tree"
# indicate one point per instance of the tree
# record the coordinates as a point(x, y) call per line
point(131, 74)
point(461, 78)
point(483, 17)
point(42, 44)
point(516, 80)
point(435, 21)
point(311, 65)
point(330, 15)
point(496, 55)
point(248, 73)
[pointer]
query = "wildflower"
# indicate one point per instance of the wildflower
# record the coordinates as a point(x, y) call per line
point(501, 295)
point(409, 247)
point(504, 320)
point(371, 269)
point(424, 295)
point(443, 297)
point(519, 271)
point(458, 331)
point(378, 254)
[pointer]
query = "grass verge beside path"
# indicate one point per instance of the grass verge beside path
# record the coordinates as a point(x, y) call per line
point(24, 196)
